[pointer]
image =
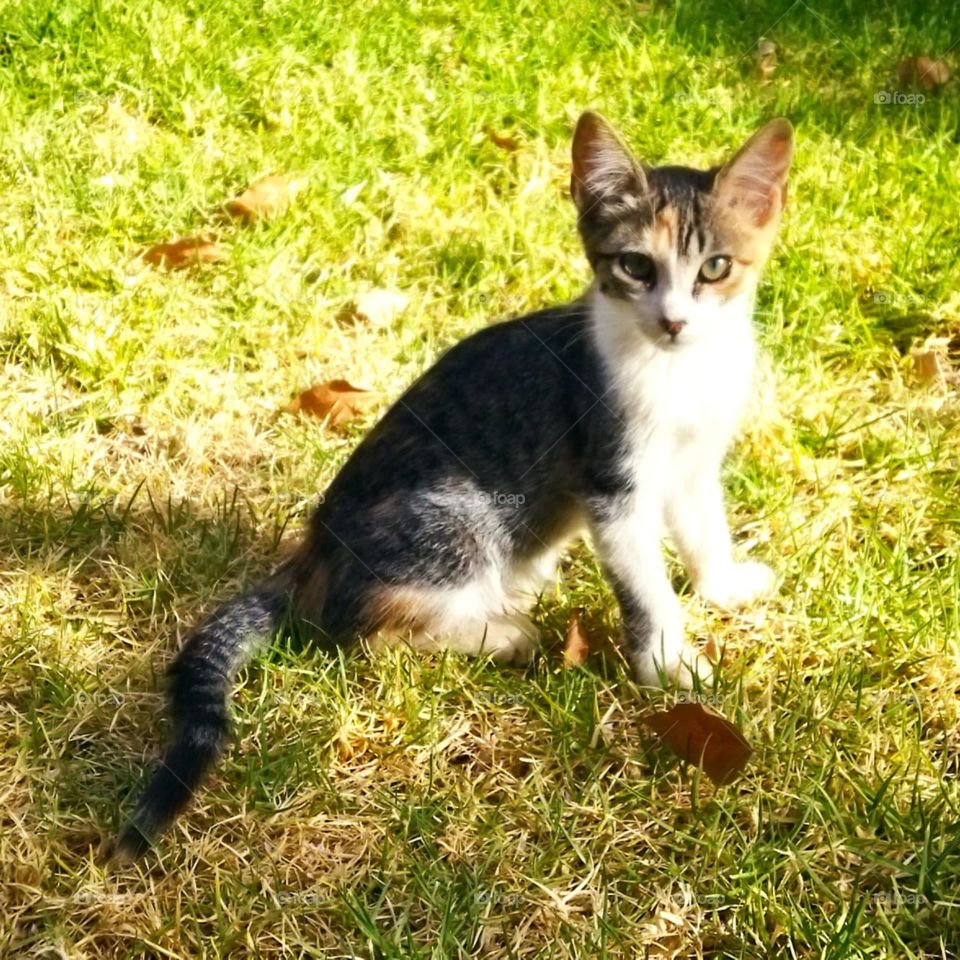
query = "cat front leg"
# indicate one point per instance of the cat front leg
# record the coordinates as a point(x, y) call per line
point(626, 532)
point(698, 524)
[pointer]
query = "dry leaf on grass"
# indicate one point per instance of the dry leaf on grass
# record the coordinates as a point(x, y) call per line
point(186, 252)
point(703, 737)
point(710, 650)
point(335, 400)
point(350, 743)
point(379, 307)
point(504, 143)
point(923, 72)
point(263, 199)
point(766, 57)
point(576, 647)
point(927, 365)
point(937, 360)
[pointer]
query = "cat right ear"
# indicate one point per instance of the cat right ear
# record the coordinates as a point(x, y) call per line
point(603, 168)
point(753, 185)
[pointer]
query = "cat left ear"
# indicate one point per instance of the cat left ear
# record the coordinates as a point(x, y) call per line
point(753, 184)
point(603, 168)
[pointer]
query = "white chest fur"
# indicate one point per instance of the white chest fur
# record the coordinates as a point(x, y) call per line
point(693, 396)
point(683, 401)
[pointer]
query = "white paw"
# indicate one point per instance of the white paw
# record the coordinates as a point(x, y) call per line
point(668, 660)
point(687, 669)
point(510, 639)
point(738, 585)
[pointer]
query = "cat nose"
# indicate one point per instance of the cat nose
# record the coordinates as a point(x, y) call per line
point(673, 327)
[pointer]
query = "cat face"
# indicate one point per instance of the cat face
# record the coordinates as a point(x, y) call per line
point(679, 250)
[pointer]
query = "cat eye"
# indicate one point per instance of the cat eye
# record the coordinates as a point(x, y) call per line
point(716, 268)
point(639, 267)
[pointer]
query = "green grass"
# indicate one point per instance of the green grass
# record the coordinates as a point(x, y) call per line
point(399, 806)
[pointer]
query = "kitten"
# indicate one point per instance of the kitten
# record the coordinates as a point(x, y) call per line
point(610, 414)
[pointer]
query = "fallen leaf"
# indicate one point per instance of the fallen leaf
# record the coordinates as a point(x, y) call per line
point(183, 253)
point(703, 737)
point(504, 143)
point(380, 307)
point(923, 72)
point(766, 68)
point(576, 647)
point(336, 400)
point(350, 746)
point(710, 650)
point(766, 57)
point(927, 365)
point(935, 360)
point(263, 199)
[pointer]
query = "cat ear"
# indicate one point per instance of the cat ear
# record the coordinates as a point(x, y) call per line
point(753, 184)
point(602, 166)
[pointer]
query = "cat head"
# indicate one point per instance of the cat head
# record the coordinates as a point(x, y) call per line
point(678, 251)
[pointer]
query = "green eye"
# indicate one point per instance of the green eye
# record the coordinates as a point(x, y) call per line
point(639, 267)
point(716, 268)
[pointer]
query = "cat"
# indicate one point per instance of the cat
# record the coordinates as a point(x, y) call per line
point(610, 414)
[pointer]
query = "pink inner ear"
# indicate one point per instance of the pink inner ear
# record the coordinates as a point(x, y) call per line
point(755, 181)
point(756, 194)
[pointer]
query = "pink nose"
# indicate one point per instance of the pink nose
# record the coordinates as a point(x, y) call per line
point(673, 327)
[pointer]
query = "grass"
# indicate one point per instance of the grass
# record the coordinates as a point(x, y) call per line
point(401, 806)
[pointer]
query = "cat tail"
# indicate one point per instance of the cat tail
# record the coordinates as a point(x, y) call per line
point(200, 679)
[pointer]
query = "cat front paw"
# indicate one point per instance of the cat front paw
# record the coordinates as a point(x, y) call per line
point(738, 585)
point(690, 671)
point(684, 667)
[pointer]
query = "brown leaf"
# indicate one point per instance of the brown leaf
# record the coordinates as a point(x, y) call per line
point(335, 400)
point(923, 72)
point(927, 365)
point(504, 143)
point(262, 199)
point(766, 57)
point(349, 746)
point(183, 253)
point(710, 650)
point(703, 737)
point(576, 647)
point(766, 68)
point(380, 307)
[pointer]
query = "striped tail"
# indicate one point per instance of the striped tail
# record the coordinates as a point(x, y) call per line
point(200, 682)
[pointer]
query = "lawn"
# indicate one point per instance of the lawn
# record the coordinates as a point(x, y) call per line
point(408, 806)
